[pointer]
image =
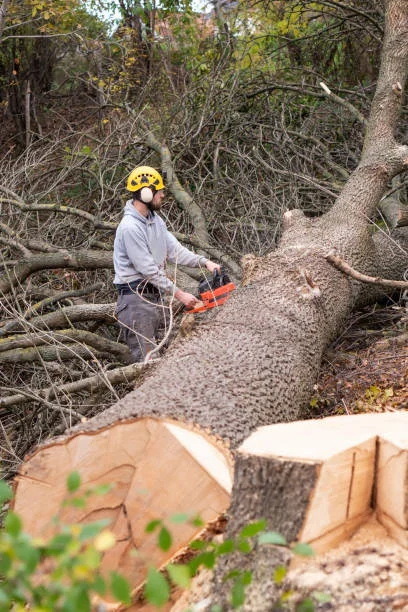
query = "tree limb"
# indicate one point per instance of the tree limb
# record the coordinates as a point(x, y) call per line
point(345, 103)
point(63, 295)
point(33, 396)
point(117, 376)
point(182, 197)
point(62, 317)
point(9, 346)
point(3, 13)
point(80, 260)
point(343, 266)
point(213, 251)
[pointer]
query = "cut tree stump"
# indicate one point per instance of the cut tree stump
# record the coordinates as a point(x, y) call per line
point(347, 467)
point(156, 468)
point(313, 481)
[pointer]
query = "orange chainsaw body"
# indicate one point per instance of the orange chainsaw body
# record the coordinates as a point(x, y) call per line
point(213, 298)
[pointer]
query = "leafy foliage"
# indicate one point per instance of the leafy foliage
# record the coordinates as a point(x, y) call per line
point(158, 585)
point(61, 574)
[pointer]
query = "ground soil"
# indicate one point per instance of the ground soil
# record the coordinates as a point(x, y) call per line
point(366, 370)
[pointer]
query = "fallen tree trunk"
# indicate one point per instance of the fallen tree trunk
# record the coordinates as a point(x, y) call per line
point(257, 361)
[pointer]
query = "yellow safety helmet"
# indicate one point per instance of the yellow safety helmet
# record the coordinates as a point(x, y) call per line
point(144, 176)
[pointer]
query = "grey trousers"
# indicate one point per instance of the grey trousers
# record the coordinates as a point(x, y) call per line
point(142, 319)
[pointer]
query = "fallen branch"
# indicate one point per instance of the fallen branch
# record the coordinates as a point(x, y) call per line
point(15, 200)
point(63, 295)
point(81, 336)
point(212, 251)
point(181, 196)
point(61, 318)
point(45, 352)
point(79, 260)
point(32, 396)
point(343, 266)
point(345, 103)
point(123, 375)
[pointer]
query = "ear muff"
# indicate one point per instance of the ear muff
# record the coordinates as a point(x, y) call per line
point(146, 195)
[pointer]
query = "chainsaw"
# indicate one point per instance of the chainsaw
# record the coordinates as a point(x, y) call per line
point(213, 292)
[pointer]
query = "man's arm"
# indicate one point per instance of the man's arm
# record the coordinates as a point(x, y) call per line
point(178, 254)
point(143, 262)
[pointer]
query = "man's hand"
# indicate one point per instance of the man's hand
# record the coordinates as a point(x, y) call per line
point(188, 299)
point(211, 266)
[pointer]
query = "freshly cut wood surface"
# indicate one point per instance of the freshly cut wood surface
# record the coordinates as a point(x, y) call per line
point(156, 469)
point(392, 484)
point(361, 463)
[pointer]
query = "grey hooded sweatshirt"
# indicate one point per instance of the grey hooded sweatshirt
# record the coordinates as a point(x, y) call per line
point(142, 247)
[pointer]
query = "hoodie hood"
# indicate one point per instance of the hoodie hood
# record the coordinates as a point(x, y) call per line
point(133, 212)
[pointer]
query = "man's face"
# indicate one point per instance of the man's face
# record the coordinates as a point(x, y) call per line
point(158, 198)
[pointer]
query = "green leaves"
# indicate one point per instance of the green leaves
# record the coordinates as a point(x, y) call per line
point(180, 575)
point(5, 492)
point(302, 549)
point(73, 482)
point(150, 527)
point(165, 539)
point(70, 561)
point(12, 524)
point(280, 573)
point(120, 588)
point(253, 529)
point(91, 530)
point(272, 537)
point(157, 590)
point(75, 551)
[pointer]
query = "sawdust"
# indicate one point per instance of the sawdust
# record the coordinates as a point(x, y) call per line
point(367, 573)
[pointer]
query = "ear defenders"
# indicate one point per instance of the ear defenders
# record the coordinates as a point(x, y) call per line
point(146, 195)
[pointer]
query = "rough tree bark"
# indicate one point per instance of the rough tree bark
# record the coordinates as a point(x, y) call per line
point(257, 361)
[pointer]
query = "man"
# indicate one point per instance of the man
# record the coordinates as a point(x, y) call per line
point(142, 247)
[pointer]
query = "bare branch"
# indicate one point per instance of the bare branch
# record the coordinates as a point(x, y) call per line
point(343, 266)
point(352, 109)
point(182, 197)
point(61, 318)
point(36, 346)
point(117, 376)
point(55, 207)
point(63, 295)
point(3, 13)
point(81, 260)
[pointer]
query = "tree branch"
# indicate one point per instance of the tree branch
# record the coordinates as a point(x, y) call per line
point(181, 196)
point(61, 318)
point(343, 266)
point(345, 103)
point(80, 260)
point(3, 13)
point(85, 344)
point(83, 337)
point(63, 295)
point(101, 380)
